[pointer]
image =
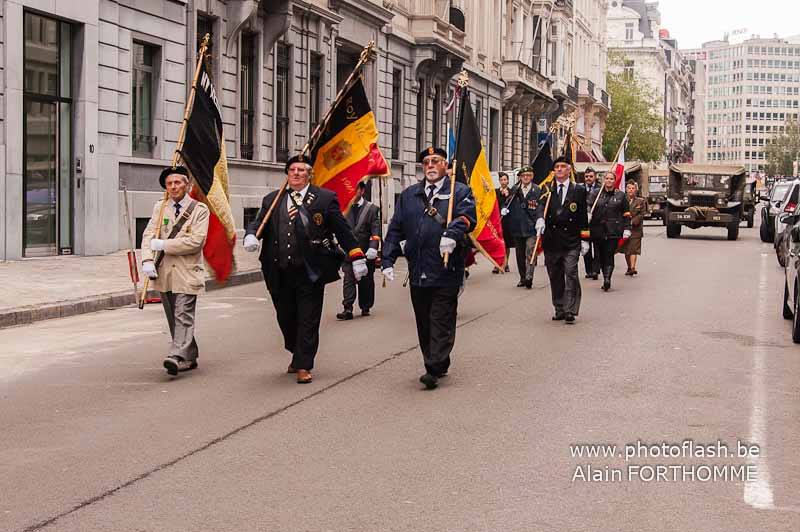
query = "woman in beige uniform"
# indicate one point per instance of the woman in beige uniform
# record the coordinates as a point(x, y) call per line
point(633, 247)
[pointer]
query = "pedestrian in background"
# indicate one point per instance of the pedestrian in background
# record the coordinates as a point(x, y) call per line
point(611, 221)
point(363, 217)
point(633, 246)
point(590, 265)
point(522, 213)
point(503, 198)
point(174, 262)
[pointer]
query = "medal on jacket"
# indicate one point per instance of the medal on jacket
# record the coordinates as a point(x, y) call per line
point(166, 221)
point(573, 207)
point(318, 218)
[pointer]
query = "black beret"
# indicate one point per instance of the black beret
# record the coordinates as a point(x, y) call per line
point(432, 151)
point(562, 159)
point(589, 170)
point(527, 169)
point(299, 158)
point(169, 171)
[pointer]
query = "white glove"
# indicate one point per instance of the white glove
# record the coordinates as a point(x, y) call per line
point(149, 269)
point(157, 244)
point(446, 245)
point(372, 254)
point(388, 273)
point(359, 268)
point(584, 248)
point(503, 211)
point(250, 243)
point(589, 216)
point(626, 234)
point(540, 226)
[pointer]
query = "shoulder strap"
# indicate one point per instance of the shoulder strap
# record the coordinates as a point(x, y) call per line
point(362, 216)
point(431, 211)
point(177, 229)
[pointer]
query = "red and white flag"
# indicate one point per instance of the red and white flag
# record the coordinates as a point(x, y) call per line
point(619, 168)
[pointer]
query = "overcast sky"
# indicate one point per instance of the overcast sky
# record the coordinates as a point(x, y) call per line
point(693, 22)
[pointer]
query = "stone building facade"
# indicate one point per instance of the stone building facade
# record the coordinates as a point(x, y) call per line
point(94, 95)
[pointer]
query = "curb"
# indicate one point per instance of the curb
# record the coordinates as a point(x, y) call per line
point(108, 301)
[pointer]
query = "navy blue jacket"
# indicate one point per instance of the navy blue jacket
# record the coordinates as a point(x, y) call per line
point(523, 211)
point(422, 234)
point(567, 224)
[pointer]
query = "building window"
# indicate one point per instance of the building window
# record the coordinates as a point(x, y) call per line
point(397, 112)
point(314, 91)
point(142, 88)
point(205, 25)
point(437, 115)
point(629, 31)
point(247, 95)
point(282, 102)
point(478, 115)
point(628, 72)
point(494, 119)
point(422, 111)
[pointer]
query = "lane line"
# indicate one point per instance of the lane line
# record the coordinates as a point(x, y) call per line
point(758, 493)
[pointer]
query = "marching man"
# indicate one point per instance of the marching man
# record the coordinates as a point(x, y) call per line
point(174, 261)
point(420, 219)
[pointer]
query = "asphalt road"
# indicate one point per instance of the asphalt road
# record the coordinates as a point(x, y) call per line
point(95, 436)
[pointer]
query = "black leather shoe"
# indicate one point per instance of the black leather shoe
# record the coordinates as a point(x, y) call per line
point(346, 315)
point(365, 312)
point(528, 284)
point(606, 285)
point(559, 316)
point(506, 269)
point(569, 318)
point(594, 276)
point(429, 381)
point(520, 284)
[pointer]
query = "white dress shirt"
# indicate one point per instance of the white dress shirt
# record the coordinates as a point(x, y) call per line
point(290, 202)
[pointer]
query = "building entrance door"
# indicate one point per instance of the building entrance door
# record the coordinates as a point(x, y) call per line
point(47, 138)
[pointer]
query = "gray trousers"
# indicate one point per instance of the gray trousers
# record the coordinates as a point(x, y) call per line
point(523, 247)
point(179, 309)
point(565, 288)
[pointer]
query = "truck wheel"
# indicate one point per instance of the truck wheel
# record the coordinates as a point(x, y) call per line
point(733, 230)
point(673, 230)
point(787, 310)
point(763, 232)
point(796, 319)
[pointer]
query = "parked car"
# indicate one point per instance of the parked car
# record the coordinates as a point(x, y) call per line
point(791, 287)
point(789, 206)
point(771, 208)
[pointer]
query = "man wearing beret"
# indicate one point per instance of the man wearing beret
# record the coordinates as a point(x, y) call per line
point(521, 214)
point(299, 256)
point(565, 237)
point(174, 262)
point(420, 218)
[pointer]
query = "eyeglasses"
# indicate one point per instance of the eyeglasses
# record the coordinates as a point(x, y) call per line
point(431, 160)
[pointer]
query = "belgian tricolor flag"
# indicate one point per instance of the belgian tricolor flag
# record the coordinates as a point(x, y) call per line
point(347, 150)
point(203, 151)
point(473, 170)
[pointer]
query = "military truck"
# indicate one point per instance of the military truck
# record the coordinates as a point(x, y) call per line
point(654, 189)
point(704, 195)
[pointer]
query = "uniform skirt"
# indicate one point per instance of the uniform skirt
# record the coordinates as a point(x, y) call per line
point(632, 247)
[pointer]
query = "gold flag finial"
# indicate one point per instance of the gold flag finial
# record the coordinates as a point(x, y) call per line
point(463, 78)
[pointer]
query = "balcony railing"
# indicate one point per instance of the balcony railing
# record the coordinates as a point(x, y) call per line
point(604, 97)
point(572, 93)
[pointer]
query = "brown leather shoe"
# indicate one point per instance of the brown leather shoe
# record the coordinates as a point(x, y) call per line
point(303, 376)
point(290, 369)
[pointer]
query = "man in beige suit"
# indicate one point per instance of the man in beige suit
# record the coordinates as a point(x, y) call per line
point(174, 261)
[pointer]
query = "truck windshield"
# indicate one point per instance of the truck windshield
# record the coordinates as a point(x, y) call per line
point(703, 181)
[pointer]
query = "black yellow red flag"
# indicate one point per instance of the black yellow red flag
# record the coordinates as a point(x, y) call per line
point(203, 151)
point(347, 150)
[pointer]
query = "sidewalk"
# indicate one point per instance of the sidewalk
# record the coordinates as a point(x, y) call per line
point(53, 287)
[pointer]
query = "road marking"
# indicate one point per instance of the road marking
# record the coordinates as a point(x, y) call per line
point(758, 493)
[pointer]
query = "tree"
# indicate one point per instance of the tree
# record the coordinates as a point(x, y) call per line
point(633, 103)
point(783, 149)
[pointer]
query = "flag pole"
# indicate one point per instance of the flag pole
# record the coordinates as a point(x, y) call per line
point(539, 236)
point(365, 57)
point(614, 164)
point(463, 82)
point(134, 271)
point(179, 145)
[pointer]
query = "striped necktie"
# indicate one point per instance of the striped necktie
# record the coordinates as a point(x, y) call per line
point(297, 199)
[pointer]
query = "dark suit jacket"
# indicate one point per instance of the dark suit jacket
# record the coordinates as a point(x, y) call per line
point(523, 211)
point(567, 224)
point(324, 221)
point(368, 233)
point(611, 215)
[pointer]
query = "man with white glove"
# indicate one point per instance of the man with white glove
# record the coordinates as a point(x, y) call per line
point(364, 219)
point(524, 221)
point(173, 242)
point(563, 241)
point(610, 223)
point(299, 256)
point(418, 220)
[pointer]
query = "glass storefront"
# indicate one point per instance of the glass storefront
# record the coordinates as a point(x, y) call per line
point(47, 123)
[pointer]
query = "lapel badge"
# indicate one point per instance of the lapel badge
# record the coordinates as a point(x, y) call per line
point(573, 207)
point(318, 218)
